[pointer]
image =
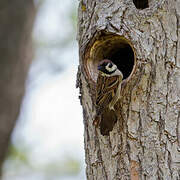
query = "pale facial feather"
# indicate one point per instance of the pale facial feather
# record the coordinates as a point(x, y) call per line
point(116, 73)
point(111, 69)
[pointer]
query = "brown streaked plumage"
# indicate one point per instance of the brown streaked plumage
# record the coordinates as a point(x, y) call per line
point(107, 93)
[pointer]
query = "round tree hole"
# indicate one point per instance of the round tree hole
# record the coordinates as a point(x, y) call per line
point(117, 49)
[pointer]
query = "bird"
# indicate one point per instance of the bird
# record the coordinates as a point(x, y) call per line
point(108, 88)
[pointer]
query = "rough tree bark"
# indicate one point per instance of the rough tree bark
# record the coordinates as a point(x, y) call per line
point(16, 19)
point(145, 141)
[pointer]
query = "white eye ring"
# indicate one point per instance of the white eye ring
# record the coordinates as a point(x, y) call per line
point(110, 65)
point(112, 68)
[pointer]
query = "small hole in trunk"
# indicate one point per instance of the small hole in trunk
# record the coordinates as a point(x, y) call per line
point(141, 4)
point(112, 47)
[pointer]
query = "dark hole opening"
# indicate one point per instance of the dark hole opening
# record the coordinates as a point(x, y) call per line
point(141, 4)
point(124, 59)
point(114, 48)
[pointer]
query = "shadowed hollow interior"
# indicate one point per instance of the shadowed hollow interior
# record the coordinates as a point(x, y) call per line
point(141, 4)
point(115, 48)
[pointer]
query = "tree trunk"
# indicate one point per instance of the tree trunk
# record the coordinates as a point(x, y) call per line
point(144, 42)
point(16, 18)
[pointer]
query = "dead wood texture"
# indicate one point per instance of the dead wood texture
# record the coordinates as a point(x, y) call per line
point(145, 141)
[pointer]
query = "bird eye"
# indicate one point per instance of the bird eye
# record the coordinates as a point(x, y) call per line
point(110, 65)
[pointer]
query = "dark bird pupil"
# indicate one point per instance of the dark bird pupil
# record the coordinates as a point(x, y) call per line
point(110, 65)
